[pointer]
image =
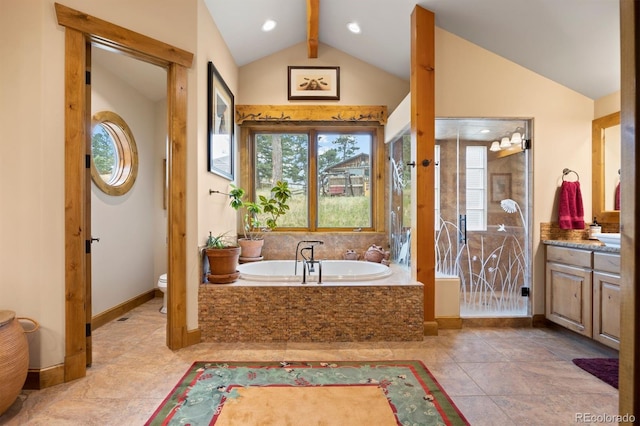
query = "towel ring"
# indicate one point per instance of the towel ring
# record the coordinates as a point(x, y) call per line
point(567, 171)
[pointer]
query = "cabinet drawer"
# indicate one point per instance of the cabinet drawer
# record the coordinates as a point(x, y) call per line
point(606, 262)
point(569, 256)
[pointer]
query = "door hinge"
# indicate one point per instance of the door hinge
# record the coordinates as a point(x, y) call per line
point(87, 246)
point(87, 161)
point(87, 330)
point(87, 77)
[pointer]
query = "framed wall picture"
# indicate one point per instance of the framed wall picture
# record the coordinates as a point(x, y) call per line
point(220, 125)
point(314, 83)
point(500, 186)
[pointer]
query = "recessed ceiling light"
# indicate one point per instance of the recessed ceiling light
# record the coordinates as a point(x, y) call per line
point(485, 131)
point(268, 25)
point(354, 27)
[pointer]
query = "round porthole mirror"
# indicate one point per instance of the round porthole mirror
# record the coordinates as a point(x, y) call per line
point(114, 155)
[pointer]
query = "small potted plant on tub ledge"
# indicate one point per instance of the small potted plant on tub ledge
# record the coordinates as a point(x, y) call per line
point(223, 253)
point(253, 228)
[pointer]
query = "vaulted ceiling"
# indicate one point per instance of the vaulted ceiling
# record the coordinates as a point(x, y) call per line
point(573, 42)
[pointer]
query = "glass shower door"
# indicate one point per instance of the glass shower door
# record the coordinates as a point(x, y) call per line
point(482, 199)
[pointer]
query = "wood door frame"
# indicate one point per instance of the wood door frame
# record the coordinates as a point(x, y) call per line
point(81, 31)
point(629, 375)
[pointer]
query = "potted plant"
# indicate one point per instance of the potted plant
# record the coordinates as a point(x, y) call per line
point(223, 254)
point(253, 228)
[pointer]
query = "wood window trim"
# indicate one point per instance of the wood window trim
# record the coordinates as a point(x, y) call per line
point(125, 145)
point(307, 117)
point(311, 113)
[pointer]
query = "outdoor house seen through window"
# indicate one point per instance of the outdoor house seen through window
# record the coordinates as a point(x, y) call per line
point(329, 173)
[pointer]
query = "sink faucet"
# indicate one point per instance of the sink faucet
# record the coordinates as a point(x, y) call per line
point(308, 262)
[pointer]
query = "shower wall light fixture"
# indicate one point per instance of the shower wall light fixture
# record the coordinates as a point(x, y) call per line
point(505, 143)
point(516, 137)
point(516, 140)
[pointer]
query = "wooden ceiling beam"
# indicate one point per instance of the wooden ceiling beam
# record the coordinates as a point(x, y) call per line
point(313, 15)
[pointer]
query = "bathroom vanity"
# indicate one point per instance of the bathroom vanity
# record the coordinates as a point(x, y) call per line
point(583, 288)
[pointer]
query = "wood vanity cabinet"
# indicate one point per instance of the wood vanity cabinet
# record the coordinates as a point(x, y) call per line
point(569, 288)
point(583, 292)
point(606, 299)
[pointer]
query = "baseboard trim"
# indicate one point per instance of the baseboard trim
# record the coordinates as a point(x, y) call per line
point(539, 320)
point(497, 322)
point(430, 328)
point(117, 311)
point(451, 323)
point(194, 337)
point(43, 378)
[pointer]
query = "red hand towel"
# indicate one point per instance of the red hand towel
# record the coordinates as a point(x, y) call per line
point(570, 208)
point(616, 202)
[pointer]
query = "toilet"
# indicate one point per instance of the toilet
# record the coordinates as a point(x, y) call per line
point(162, 286)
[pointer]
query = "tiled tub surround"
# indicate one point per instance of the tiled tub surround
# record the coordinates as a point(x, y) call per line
point(282, 245)
point(389, 309)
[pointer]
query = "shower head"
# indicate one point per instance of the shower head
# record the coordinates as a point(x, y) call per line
point(509, 205)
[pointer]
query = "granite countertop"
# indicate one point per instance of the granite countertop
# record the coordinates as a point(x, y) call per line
point(593, 245)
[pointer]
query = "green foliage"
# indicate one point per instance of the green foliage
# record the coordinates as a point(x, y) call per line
point(293, 152)
point(274, 206)
point(328, 159)
point(219, 241)
point(347, 146)
point(103, 151)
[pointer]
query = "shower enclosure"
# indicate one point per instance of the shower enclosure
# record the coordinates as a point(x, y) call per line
point(482, 206)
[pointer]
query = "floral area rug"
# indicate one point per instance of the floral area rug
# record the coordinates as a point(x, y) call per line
point(308, 393)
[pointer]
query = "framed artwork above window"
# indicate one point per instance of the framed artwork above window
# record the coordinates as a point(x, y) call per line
point(314, 83)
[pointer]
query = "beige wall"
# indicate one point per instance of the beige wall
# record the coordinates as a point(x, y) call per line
point(607, 105)
point(32, 149)
point(264, 82)
point(496, 87)
point(206, 212)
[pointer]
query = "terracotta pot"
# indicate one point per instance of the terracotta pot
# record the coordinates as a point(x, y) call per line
point(250, 248)
point(222, 264)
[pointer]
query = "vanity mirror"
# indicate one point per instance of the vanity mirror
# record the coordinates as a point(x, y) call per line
point(606, 168)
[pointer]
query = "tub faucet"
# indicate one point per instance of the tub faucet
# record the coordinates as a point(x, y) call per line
point(307, 266)
point(308, 262)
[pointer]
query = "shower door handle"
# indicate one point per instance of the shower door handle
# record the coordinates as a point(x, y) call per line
point(462, 226)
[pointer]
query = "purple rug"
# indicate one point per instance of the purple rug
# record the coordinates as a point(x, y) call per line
point(605, 369)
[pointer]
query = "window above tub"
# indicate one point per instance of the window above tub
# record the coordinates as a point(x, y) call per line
point(335, 170)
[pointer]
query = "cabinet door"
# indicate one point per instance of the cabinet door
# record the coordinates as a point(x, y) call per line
point(569, 296)
point(606, 309)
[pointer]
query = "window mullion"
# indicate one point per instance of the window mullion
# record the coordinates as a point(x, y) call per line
point(313, 179)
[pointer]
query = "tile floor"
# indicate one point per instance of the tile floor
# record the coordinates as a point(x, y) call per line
point(496, 376)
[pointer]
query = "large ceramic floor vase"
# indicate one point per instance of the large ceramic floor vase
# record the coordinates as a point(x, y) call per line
point(251, 250)
point(14, 357)
point(222, 264)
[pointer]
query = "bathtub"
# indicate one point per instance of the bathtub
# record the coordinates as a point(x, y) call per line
point(332, 271)
point(269, 304)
